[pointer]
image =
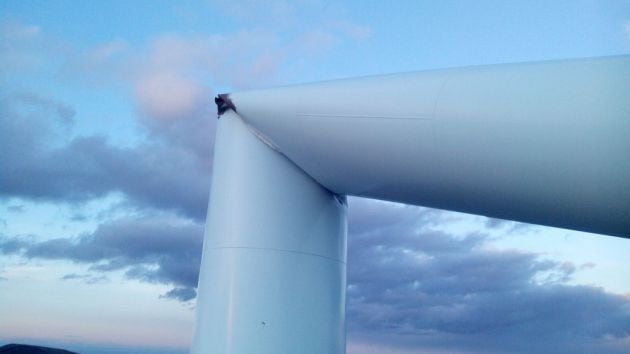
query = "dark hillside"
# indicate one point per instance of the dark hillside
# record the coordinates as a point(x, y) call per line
point(31, 349)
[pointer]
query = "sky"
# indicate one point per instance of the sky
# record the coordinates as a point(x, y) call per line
point(107, 124)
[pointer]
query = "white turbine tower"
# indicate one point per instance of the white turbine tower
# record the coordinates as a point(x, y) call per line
point(545, 143)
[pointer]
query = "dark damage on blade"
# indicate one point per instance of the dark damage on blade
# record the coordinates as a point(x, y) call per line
point(224, 104)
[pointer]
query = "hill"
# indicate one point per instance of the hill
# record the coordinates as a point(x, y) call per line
point(31, 349)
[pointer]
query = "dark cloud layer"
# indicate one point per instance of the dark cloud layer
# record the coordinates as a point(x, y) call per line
point(169, 171)
point(412, 285)
point(149, 250)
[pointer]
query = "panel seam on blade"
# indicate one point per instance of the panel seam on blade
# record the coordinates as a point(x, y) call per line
point(279, 250)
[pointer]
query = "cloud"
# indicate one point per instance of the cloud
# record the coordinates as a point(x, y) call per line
point(220, 59)
point(13, 30)
point(410, 285)
point(149, 250)
point(106, 51)
point(23, 47)
point(170, 79)
point(16, 208)
point(354, 31)
point(87, 278)
point(181, 294)
point(317, 26)
point(35, 109)
point(268, 12)
point(370, 215)
point(413, 286)
point(316, 41)
point(242, 59)
point(42, 164)
point(507, 225)
point(167, 96)
point(173, 76)
point(316, 21)
point(105, 64)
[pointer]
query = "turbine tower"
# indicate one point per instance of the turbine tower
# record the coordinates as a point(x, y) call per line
point(545, 143)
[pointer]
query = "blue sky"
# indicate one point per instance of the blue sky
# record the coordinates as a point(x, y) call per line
point(106, 134)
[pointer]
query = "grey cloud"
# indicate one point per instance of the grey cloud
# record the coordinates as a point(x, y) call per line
point(404, 275)
point(181, 294)
point(192, 132)
point(372, 216)
point(19, 45)
point(163, 172)
point(29, 122)
point(89, 167)
point(9, 245)
point(150, 250)
point(41, 161)
point(36, 104)
point(493, 223)
point(410, 285)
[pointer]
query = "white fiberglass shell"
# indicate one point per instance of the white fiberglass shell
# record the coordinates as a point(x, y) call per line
point(273, 272)
point(545, 143)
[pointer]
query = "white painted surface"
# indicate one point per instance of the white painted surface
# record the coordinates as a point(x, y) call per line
point(273, 272)
point(545, 143)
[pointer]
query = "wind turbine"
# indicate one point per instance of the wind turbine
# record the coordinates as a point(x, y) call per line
point(545, 143)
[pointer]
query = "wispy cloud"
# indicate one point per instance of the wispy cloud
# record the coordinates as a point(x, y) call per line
point(12, 30)
point(87, 278)
point(106, 51)
point(16, 208)
point(181, 294)
point(277, 13)
point(23, 47)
